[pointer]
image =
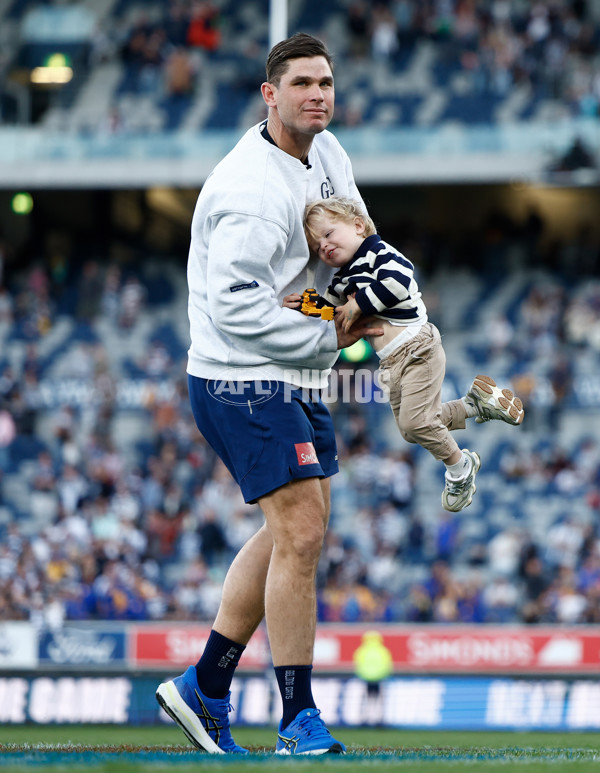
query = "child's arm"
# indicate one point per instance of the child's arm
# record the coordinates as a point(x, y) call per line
point(348, 313)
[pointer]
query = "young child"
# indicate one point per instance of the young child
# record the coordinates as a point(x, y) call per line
point(374, 279)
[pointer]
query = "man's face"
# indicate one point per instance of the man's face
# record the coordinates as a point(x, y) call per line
point(305, 96)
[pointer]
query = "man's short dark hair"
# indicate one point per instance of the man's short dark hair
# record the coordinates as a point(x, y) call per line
point(298, 46)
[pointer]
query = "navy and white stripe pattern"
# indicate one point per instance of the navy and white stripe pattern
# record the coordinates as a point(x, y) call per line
point(384, 283)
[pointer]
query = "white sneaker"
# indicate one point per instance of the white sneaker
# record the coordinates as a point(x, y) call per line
point(491, 402)
point(458, 492)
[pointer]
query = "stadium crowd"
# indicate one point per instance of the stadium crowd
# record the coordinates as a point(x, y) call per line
point(498, 43)
point(96, 524)
point(544, 51)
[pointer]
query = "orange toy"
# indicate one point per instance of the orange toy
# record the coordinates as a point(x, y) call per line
point(312, 305)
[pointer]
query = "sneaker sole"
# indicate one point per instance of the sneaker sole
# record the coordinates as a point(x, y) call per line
point(335, 749)
point(512, 407)
point(171, 701)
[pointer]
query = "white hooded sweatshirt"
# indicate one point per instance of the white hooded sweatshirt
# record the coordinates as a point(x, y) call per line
point(248, 251)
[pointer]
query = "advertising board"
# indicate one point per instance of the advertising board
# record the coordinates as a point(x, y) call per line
point(445, 703)
point(415, 649)
point(99, 646)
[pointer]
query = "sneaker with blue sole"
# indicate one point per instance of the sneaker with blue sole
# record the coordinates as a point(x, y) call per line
point(307, 734)
point(205, 721)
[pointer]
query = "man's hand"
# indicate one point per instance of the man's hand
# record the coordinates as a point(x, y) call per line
point(365, 326)
point(349, 313)
point(293, 301)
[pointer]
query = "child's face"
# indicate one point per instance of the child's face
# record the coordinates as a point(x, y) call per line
point(337, 240)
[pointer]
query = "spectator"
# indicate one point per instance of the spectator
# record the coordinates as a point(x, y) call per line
point(504, 550)
point(203, 30)
point(89, 292)
point(130, 302)
point(446, 538)
point(568, 604)
point(71, 487)
point(179, 74)
point(384, 35)
point(111, 293)
point(176, 24)
point(6, 307)
point(357, 21)
point(8, 432)
point(501, 598)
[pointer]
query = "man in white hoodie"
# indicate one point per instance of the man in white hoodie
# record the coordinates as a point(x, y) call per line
point(255, 370)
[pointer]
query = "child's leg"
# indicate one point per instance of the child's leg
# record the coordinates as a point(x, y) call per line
point(454, 414)
point(416, 373)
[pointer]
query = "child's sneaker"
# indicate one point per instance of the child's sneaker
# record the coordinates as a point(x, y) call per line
point(491, 402)
point(307, 734)
point(204, 720)
point(458, 492)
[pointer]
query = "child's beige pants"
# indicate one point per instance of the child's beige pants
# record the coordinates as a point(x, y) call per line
point(414, 374)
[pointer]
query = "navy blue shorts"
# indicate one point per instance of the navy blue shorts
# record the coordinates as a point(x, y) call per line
point(266, 432)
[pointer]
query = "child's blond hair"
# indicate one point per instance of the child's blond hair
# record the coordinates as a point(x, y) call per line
point(339, 208)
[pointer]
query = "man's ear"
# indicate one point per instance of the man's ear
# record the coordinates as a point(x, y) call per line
point(268, 92)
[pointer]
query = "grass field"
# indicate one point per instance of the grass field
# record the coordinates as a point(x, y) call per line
point(156, 749)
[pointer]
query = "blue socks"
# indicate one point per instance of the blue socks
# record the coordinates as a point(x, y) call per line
point(217, 665)
point(295, 688)
point(216, 668)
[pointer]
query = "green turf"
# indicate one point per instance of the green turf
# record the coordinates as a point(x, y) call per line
point(80, 748)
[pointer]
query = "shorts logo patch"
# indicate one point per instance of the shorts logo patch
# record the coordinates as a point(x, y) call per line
point(306, 453)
